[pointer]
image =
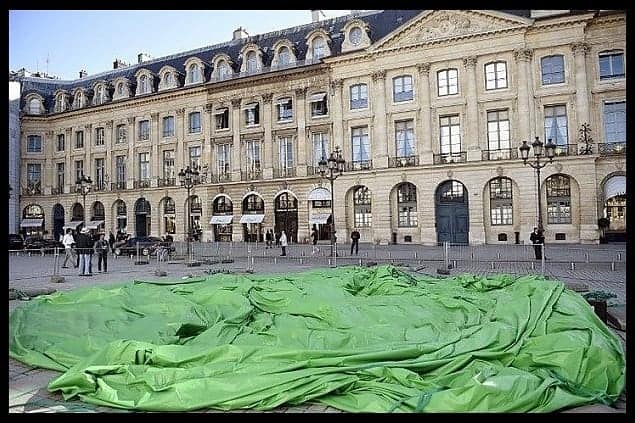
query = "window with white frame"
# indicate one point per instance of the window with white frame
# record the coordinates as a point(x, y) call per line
point(558, 199)
point(79, 139)
point(100, 173)
point(194, 74)
point(100, 136)
point(122, 132)
point(168, 80)
point(195, 122)
point(168, 126)
point(34, 144)
point(223, 70)
point(252, 61)
point(450, 131)
point(59, 103)
point(99, 94)
point(448, 82)
point(144, 166)
point(33, 174)
point(60, 177)
point(60, 142)
point(144, 130)
point(143, 84)
point(495, 75)
point(168, 164)
point(402, 88)
point(253, 155)
point(195, 156)
point(359, 96)
point(498, 130)
point(407, 205)
point(285, 152)
point(320, 147)
point(79, 169)
point(404, 138)
point(319, 48)
point(556, 124)
point(120, 88)
point(223, 159)
point(361, 145)
point(221, 116)
point(252, 114)
point(612, 64)
point(285, 109)
point(318, 104)
point(34, 106)
point(78, 100)
point(552, 69)
point(615, 121)
point(363, 216)
point(500, 197)
point(284, 56)
point(120, 167)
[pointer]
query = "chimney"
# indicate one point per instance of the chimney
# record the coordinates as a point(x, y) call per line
point(83, 73)
point(143, 57)
point(315, 15)
point(119, 64)
point(239, 33)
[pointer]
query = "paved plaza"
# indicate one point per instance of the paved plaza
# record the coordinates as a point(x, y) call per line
point(596, 268)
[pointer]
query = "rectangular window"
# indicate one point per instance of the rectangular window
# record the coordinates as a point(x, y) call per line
point(223, 158)
point(407, 217)
point(318, 104)
point(495, 75)
point(498, 130)
point(556, 124)
point(60, 142)
point(60, 177)
point(79, 169)
point(144, 166)
point(501, 212)
point(285, 152)
point(195, 156)
point(253, 155)
point(448, 81)
point(34, 144)
point(120, 164)
point(558, 189)
point(144, 130)
point(320, 147)
point(99, 173)
point(361, 145)
point(168, 126)
point(222, 119)
point(615, 122)
point(33, 174)
point(404, 138)
point(195, 122)
point(99, 136)
point(252, 114)
point(552, 69)
point(612, 65)
point(450, 135)
point(402, 88)
point(79, 139)
point(285, 109)
point(359, 96)
point(168, 164)
point(121, 134)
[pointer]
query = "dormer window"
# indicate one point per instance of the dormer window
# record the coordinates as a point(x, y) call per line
point(194, 74)
point(34, 106)
point(99, 93)
point(120, 88)
point(284, 56)
point(356, 35)
point(252, 63)
point(60, 103)
point(78, 100)
point(143, 84)
point(169, 80)
point(223, 70)
point(319, 48)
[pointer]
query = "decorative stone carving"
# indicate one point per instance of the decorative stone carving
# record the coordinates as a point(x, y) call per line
point(209, 107)
point(221, 189)
point(300, 92)
point(500, 171)
point(423, 68)
point(235, 103)
point(469, 62)
point(88, 126)
point(284, 185)
point(49, 134)
point(180, 112)
point(379, 75)
point(404, 177)
point(154, 116)
point(450, 174)
point(109, 124)
point(358, 181)
point(267, 97)
point(130, 121)
point(558, 167)
point(523, 54)
point(336, 84)
point(580, 48)
point(252, 187)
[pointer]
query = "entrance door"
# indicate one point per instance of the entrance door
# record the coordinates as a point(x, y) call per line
point(452, 215)
point(58, 221)
point(140, 225)
point(142, 217)
point(287, 216)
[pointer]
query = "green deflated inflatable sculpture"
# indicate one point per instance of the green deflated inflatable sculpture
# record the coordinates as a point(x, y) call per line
point(357, 339)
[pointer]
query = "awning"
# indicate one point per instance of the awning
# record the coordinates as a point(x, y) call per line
point(321, 194)
point(94, 224)
point(221, 220)
point(252, 218)
point(31, 223)
point(73, 225)
point(615, 186)
point(319, 219)
point(317, 97)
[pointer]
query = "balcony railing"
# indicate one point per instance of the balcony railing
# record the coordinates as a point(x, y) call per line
point(99, 186)
point(566, 150)
point(57, 190)
point(118, 186)
point(443, 158)
point(222, 177)
point(142, 183)
point(612, 148)
point(359, 165)
point(166, 182)
point(312, 170)
point(405, 161)
point(32, 189)
point(250, 175)
point(285, 172)
point(500, 154)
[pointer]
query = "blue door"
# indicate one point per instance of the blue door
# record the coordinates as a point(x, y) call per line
point(452, 215)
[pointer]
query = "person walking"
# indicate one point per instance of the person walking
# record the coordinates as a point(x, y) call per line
point(111, 242)
point(355, 241)
point(315, 236)
point(538, 239)
point(268, 240)
point(68, 242)
point(277, 236)
point(101, 248)
point(77, 254)
point(84, 247)
point(283, 243)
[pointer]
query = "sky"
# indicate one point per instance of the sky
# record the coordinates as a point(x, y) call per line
point(92, 40)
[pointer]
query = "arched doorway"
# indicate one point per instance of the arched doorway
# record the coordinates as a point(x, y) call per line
point(168, 224)
point(142, 217)
point(97, 218)
point(223, 214)
point(121, 217)
point(32, 220)
point(196, 214)
point(77, 218)
point(286, 215)
point(253, 215)
point(320, 214)
point(615, 208)
point(451, 213)
point(58, 221)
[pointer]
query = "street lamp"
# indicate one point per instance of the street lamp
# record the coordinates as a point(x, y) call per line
point(547, 151)
point(335, 168)
point(83, 186)
point(188, 178)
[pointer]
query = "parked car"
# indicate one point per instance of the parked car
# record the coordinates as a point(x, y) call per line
point(16, 242)
point(37, 242)
point(147, 246)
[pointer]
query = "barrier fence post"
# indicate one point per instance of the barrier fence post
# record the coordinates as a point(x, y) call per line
point(542, 259)
point(335, 255)
point(446, 258)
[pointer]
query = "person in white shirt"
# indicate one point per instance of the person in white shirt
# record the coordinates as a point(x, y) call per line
point(283, 243)
point(68, 242)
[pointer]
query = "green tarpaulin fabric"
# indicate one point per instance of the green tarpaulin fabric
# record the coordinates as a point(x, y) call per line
point(358, 339)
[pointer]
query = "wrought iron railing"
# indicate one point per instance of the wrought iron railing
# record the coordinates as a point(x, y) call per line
point(32, 189)
point(57, 190)
point(222, 177)
point(312, 170)
point(566, 150)
point(142, 183)
point(285, 172)
point(612, 148)
point(118, 186)
point(405, 161)
point(444, 158)
point(359, 165)
point(250, 175)
point(166, 182)
point(99, 186)
point(500, 154)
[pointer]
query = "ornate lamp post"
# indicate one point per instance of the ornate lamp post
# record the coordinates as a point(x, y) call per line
point(545, 152)
point(84, 185)
point(334, 167)
point(188, 178)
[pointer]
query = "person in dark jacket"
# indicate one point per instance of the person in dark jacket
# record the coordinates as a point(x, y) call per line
point(537, 238)
point(101, 248)
point(111, 242)
point(84, 247)
point(355, 241)
point(277, 236)
point(268, 239)
point(314, 235)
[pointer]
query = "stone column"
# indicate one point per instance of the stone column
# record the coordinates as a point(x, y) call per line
point(154, 155)
point(338, 122)
point(130, 164)
point(581, 87)
point(88, 149)
point(378, 140)
point(267, 151)
point(236, 150)
point(523, 59)
point(471, 125)
point(300, 96)
point(424, 126)
point(180, 139)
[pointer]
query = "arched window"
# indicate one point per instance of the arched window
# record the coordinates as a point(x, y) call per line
point(319, 48)
point(284, 56)
point(407, 205)
point(98, 211)
point(361, 207)
point(286, 202)
point(120, 88)
point(253, 204)
point(168, 80)
point(34, 106)
point(223, 205)
point(143, 84)
point(169, 207)
point(223, 69)
point(558, 199)
point(251, 62)
point(78, 212)
point(78, 100)
point(59, 103)
point(122, 217)
point(500, 199)
point(142, 206)
point(33, 211)
point(194, 73)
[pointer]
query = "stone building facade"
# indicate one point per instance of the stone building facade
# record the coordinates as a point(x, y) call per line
point(428, 107)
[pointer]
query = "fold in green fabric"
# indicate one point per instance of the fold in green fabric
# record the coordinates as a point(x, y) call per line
point(358, 339)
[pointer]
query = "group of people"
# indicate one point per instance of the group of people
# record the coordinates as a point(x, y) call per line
point(280, 239)
point(80, 247)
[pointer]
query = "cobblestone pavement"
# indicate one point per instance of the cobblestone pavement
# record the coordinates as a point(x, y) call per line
point(27, 385)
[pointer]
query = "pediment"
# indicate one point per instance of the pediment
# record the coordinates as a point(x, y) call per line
point(441, 25)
